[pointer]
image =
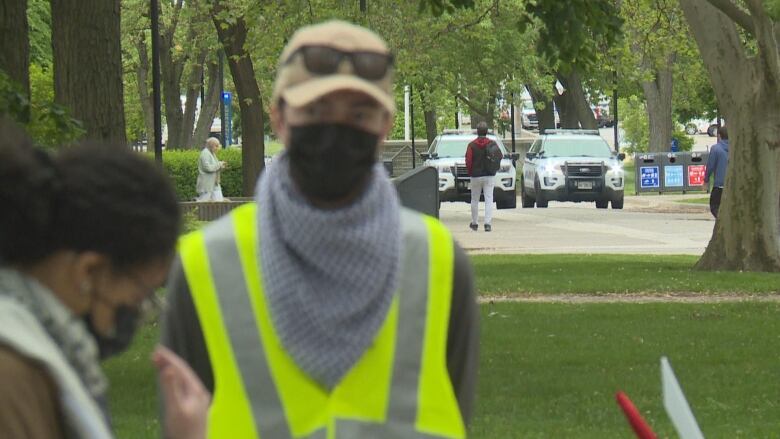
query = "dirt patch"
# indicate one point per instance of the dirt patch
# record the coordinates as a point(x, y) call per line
point(631, 298)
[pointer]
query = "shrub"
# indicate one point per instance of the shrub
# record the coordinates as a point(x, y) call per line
point(182, 167)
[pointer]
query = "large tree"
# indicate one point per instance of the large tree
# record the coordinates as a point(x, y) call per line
point(86, 40)
point(232, 31)
point(741, 50)
point(14, 42)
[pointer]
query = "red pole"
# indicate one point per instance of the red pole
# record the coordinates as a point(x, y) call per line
point(638, 424)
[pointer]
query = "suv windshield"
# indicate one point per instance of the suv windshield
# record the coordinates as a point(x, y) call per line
point(582, 147)
point(447, 148)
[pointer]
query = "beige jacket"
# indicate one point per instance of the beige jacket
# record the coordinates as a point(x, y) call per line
point(208, 172)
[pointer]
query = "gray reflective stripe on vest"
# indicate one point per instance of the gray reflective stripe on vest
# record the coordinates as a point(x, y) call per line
point(233, 296)
point(412, 314)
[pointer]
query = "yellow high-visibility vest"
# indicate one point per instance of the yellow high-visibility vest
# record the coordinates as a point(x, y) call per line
point(399, 388)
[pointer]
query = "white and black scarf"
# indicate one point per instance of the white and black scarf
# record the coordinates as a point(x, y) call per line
point(329, 275)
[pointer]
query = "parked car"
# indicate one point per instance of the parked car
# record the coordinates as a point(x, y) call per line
point(448, 155)
point(572, 165)
point(703, 126)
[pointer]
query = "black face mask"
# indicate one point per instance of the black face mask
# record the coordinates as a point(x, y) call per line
point(125, 325)
point(329, 161)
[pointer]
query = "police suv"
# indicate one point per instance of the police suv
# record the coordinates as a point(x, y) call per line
point(448, 155)
point(572, 165)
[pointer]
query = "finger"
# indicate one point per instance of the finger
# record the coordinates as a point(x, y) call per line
point(185, 375)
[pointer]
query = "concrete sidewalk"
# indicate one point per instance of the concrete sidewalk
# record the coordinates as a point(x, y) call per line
point(649, 224)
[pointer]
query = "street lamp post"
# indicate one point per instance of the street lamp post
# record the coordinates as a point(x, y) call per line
point(411, 114)
point(512, 116)
point(156, 98)
point(615, 119)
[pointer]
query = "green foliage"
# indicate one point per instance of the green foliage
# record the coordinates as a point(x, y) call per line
point(182, 167)
point(573, 33)
point(773, 9)
point(685, 141)
point(47, 123)
point(636, 127)
point(635, 124)
point(438, 7)
point(190, 222)
point(39, 22)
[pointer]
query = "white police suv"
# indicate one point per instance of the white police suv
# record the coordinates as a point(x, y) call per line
point(448, 155)
point(572, 165)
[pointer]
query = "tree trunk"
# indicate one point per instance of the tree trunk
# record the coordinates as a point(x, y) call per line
point(746, 235)
point(658, 94)
point(567, 110)
point(429, 112)
point(15, 42)
point(190, 105)
point(142, 76)
point(170, 78)
point(86, 40)
point(578, 106)
point(232, 34)
point(208, 109)
point(545, 116)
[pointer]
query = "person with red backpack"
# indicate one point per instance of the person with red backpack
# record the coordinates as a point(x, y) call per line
point(483, 159)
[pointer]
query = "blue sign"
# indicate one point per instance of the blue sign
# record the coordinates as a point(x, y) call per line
point(227, 99)
point(673, 176)
point(649, 177)
point(675, 145)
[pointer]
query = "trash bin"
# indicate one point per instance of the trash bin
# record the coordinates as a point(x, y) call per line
point(673, 172)
point(695, 170)
point(648, 172)
point(388, 163)
point(418, 189)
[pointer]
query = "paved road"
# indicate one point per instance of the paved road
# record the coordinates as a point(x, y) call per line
point(647, 225)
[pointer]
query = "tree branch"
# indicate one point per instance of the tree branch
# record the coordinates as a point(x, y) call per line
point(722, 52)
point(451, 28)
point(735, 13)
point(769, 46)
point(471, 105)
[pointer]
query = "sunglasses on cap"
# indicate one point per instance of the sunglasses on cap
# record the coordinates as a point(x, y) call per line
point(323, 60)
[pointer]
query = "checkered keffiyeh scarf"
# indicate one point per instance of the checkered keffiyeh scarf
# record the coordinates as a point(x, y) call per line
point(329, 275)
point(66, 330)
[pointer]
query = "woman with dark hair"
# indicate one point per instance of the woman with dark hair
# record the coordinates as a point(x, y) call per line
point(85, 238)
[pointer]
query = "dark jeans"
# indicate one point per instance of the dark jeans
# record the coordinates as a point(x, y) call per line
point(717, 192)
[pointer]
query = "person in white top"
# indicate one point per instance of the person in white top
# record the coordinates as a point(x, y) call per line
point(209, 169)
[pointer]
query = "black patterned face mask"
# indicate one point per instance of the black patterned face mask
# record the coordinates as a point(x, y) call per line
point(125, 325)
point(329, 161)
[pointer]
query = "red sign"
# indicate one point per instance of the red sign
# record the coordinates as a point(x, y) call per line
point(696, 175)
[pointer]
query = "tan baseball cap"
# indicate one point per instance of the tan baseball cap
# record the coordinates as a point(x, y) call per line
point(299, 87)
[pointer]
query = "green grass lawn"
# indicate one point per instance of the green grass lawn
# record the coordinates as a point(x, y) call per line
point(608, 274)
point(273, 147)
point(551, 370)
point(704, 200)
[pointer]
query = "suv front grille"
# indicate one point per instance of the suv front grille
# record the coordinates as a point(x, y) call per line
point(584, 169)
point(462, 171)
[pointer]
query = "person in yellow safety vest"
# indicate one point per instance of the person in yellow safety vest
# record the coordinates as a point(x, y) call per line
point(325, 309)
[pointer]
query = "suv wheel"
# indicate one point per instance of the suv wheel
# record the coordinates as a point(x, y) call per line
point(508, 203)
point(691, 129)
point(602, 204)
point(617, 203)
point(541, 202)
point(524, 197)
point(712, 131)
